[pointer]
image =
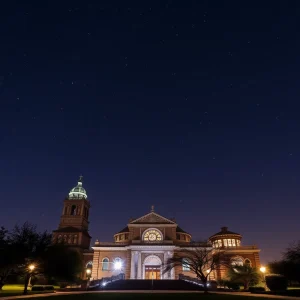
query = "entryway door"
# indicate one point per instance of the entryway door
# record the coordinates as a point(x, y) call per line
point(152, 272)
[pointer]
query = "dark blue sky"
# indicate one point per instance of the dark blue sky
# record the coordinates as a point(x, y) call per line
point(192, 106)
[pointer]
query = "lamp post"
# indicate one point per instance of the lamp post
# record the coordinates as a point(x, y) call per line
point(263, 270)
point(31, 268)
point(88, 275)
point(28, 277)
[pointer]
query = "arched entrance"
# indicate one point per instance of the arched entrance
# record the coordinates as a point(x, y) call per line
point(152, 267)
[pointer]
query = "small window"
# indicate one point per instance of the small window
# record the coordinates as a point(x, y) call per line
point(225, 242)
point(248, 262)
point(73, 210)
point(185, 265)
point(75, 239)
point(105, 263)
point(229, 242)
point(233, 243)
point(65, 238)
point(59, 239)
point(219, 243)
point(178, 236)
point(238, 242)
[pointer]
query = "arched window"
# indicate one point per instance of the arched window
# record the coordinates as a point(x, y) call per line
point(75, 239)
point(89, 265)
point(248, 262)
point(237, 261)
point(105, 263)
point(73, 210)
point(185, 265)
point(59, 239)
point(65, 239)
point(152, 235)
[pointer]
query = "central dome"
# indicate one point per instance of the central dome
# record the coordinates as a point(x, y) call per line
point(78, 192)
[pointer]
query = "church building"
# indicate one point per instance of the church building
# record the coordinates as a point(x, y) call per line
point(142, 247)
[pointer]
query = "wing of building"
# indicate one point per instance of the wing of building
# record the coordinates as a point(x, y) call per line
point(144, 245)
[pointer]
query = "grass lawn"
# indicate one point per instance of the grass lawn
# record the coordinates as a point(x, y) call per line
point(146, 296)
point(17, 290)
point(13, 287)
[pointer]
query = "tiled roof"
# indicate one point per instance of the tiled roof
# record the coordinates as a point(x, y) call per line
point(126, 229)
point(225, 231)
point(178, 229)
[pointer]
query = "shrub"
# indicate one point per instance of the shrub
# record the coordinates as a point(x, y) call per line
point(233, 285)
point(37, 288)
point(221, 282)
point(212, 285)
point(256, 289)
point(48, 287)
point(276, 282)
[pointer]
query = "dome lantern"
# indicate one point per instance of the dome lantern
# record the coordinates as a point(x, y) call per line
point(78, 192)
point(225, 238)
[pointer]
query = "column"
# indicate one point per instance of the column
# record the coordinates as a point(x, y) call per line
point(166, 275)
point(96, 265)
point(132, 269)
point(173, 273)
point(139, 275)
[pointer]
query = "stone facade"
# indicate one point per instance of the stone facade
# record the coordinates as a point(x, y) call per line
point(149, 241)
point(142, 248)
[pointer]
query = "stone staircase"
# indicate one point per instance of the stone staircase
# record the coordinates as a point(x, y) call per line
point(149, 285)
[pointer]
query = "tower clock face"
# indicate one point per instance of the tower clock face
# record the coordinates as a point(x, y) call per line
point(152, 235)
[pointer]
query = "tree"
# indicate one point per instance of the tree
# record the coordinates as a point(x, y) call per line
point(201, 260)
point(289, 266)
point(244, 274)
point(5, 265)
point(62, 263)
point(19, 248)
point(30, 245)
point(292, 253)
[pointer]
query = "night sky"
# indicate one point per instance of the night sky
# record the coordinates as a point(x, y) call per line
point(190, 106)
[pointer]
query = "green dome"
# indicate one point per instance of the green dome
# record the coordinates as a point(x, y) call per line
point(78, 192)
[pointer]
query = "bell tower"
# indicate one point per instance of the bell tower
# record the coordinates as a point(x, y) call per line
point(74, 222)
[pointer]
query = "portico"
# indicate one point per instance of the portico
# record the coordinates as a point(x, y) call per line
point(148, 264)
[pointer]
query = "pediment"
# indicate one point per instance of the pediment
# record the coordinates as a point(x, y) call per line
point(152, 218)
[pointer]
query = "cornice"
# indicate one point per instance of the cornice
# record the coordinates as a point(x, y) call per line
point(151, 225)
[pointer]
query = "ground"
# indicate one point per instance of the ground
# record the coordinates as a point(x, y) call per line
point(146, 296)
point(156, 296)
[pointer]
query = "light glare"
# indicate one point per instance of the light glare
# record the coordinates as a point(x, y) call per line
point(118, 265)
point(31, 267)
point(263, 269)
